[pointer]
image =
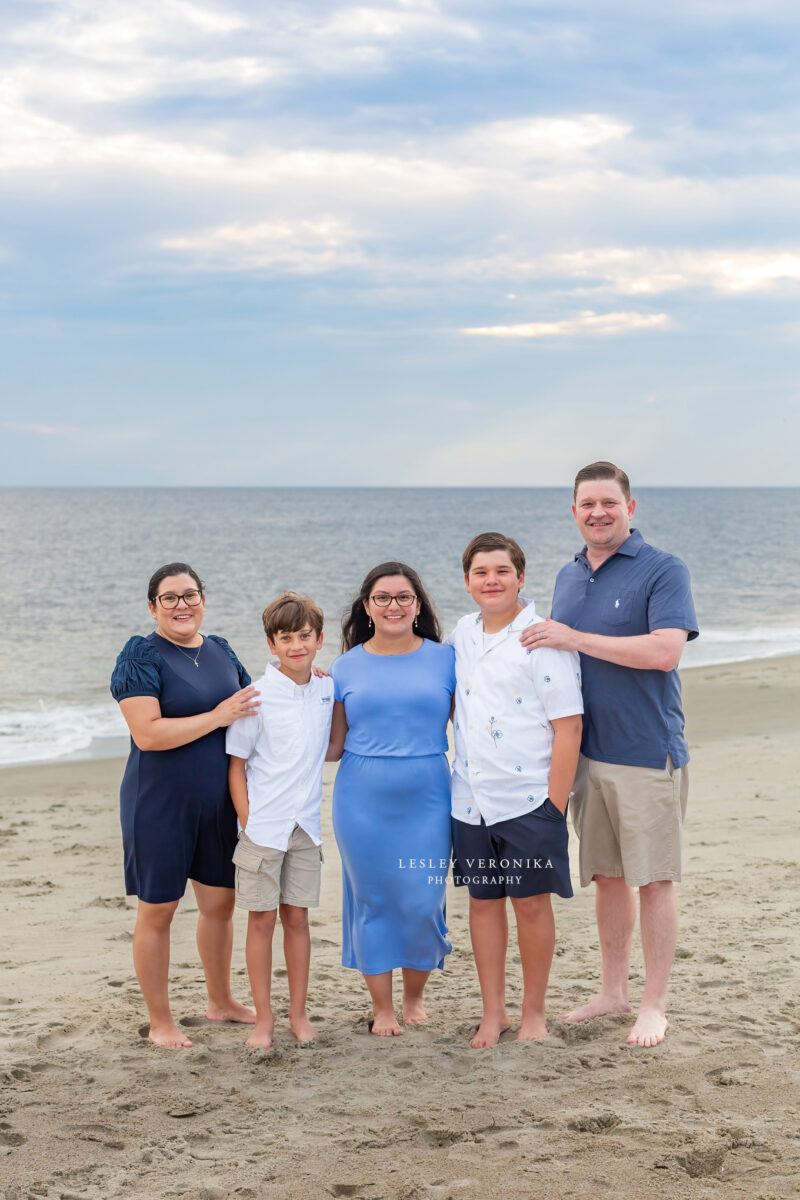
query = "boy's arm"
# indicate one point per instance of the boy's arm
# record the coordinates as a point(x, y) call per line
point(564, 760)
point(237, 785)
point(338, 733)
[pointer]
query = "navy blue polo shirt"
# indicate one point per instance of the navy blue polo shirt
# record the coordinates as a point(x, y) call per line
point(631, 717)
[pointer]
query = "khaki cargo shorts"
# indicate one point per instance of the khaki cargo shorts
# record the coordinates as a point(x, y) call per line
point(629, 821)
point(266, 877)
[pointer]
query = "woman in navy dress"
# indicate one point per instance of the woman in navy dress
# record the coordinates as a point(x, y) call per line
point(178, 691)
point(391, 801)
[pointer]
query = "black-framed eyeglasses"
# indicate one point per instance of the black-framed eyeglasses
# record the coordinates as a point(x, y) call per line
point(192, 598)
point(383, 599)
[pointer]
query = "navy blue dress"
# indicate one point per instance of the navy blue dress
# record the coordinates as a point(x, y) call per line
point(391, 807)
point(178, 819)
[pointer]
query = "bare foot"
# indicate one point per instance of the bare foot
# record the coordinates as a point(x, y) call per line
point(384, 1024)
point(232, 1011)
point(261, 1037)
point(488, 1032)
point(169, 1037)
point(532, 1029)
point(601, 1006)
point(302, 1029)
point(650, 1028)
point(414, 1013)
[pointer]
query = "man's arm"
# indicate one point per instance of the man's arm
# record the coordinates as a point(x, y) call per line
point(564, 759)
point(660, 650)
point(237, 785)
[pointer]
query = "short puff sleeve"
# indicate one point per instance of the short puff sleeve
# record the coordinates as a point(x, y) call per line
point(244, 678)
point(138, 670)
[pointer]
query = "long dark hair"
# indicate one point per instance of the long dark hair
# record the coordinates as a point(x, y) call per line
point(355, 626)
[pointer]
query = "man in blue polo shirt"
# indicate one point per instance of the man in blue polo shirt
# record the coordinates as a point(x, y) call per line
point(627, 608)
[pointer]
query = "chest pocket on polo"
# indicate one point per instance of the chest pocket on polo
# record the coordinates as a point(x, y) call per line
point(617, 608)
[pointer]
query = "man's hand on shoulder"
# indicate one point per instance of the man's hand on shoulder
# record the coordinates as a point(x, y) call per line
point(659, 650)
point(549, 633)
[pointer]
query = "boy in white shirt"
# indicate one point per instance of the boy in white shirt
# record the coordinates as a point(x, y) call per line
point(275, 779)
point(517, 729)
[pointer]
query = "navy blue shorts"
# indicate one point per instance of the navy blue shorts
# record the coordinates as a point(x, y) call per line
point(526, 856)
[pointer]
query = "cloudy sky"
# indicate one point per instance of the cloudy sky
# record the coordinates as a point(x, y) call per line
point(404, 243)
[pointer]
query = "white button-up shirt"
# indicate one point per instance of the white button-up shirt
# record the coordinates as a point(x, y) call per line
point(285, 744)
point(506, 697)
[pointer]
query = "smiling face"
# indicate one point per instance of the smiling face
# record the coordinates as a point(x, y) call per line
point(295, 651)
point(603, 516)
point(393, 619)
point(182, 623)
point(494, 584)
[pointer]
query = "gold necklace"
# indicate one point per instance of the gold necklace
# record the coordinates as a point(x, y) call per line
point(191, 657)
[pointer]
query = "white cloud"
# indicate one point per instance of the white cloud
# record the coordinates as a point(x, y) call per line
point(395, 21)
point(648, 271)
point(586, 324)
point(298, 246)
point(545, 137)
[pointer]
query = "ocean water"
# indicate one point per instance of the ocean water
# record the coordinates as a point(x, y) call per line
point(74, 565)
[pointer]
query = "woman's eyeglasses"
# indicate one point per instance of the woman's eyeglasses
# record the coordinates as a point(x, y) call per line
point(170, 600)
point(383, 599)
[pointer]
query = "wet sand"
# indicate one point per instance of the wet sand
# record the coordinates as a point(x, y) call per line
point(90, 1109)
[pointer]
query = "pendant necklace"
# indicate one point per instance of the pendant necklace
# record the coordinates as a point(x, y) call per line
point(191, 657)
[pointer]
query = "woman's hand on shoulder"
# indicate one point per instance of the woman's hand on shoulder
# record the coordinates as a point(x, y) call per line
point(244, 703)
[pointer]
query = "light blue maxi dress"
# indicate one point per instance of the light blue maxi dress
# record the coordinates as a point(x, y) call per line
point(391, 807)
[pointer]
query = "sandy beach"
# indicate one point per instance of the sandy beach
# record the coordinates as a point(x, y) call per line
point(90, 1109)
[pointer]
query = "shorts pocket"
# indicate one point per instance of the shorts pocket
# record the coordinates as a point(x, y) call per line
point(248, 885)
point(548, 809)
point(247, 856)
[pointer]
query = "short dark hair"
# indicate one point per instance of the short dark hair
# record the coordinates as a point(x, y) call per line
point(484, 543)
point(356, 624)
point(158, 577)
point(603, 470)
point(289, 613)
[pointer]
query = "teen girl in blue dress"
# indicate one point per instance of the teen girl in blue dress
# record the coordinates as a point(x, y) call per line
point(391, 802)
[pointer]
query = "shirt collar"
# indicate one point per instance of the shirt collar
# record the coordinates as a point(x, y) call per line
point(526, 616)
point(276, 679)
point(630, 548)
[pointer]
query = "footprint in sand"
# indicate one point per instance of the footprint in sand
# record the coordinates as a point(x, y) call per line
point(594, 1122)
point(102, 1134)
point(9, 1136)
point(65, 1035)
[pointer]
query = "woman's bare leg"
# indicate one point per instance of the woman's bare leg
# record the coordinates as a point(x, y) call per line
point(413, 985)
point(384, 1021)
point(151, 963)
